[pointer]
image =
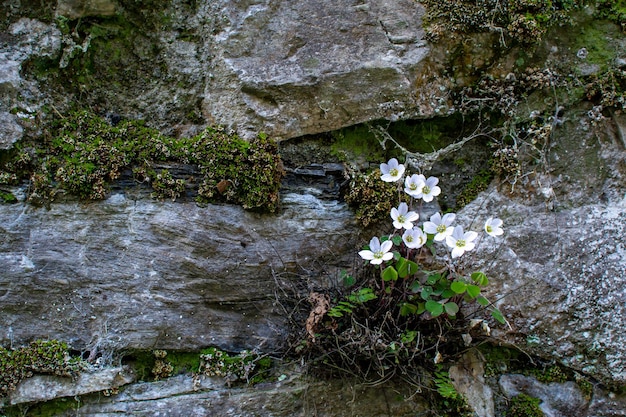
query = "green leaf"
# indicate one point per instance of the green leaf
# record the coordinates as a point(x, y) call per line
point(434, 308)
point(348, 280)
point(406, 267)
point(432, 279)
point(415, 287)
point(389, 274)
point(407, 309)
point(480, 278)
point(408, 336)
point(497, 314)
point(397, 240)
point(482, 301)
point(473, 290)
point(426, 292)
point(447, 293)
point(458, 287)
point(451, 308)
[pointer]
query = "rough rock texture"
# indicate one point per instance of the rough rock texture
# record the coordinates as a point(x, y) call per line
point(187, 396)
point(47, 387)
point(558, 274)
point(134, 274)
point(298, 68)
point(286, 68)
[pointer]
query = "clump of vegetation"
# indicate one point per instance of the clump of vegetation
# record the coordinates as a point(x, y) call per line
point(394, 318)
point(614, 10)
point(371, 198)
point(247, 366)
point(523, 405)
point(522, 21)
point(85, 154)
point(40, 357)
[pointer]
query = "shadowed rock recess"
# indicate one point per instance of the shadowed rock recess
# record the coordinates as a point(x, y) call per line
point(129, 275)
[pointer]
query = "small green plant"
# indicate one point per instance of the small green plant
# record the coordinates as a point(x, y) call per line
point(523, 405)
point(247, 366)
point(40, 357)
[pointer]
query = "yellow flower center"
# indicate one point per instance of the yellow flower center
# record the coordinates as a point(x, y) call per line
point(426, 190)
point(393, 172)
point(460, 243)
point(441, 228)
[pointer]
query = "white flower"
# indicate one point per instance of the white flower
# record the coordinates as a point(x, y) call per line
point(414, 238)
point(440, 227)
point(402, 217)
point(377, 252)
point(414, 184)
point(392, 171)
point(429, 189)
point(493, 227)
point(461, 242)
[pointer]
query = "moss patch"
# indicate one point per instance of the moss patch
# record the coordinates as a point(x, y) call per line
point(524, 406)
point(86, 154)
point(40, 357)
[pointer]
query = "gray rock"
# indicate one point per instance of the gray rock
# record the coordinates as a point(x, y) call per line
point(292, 69)
point(557, 399)
point(558, 273)
point(10, 130)
point(75, 9)
point(48, 387)
point(296, 396)
point(468, 378)
point(134, 274)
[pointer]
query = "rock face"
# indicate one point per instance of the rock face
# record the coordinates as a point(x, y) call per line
point(299, 68)
point(285, 68)
point(131, 274)
point(558, 273)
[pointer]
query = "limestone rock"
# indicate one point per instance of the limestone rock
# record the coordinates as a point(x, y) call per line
point(10, 130)
point(297, 68)
point(558, 273)
point(74, 9)
point(202, 396)
point(134, 274)
point(48, 387)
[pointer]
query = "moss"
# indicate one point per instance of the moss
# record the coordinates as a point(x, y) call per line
point(57, 407)
point(614, 10)
point(524, 406)
point(247, 366)
point(477, 185)
point(7, 197)
point(371, 198)
point(40, 357)
point(522, 21)
point(86, 154)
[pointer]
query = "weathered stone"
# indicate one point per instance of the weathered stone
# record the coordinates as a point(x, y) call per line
point(296, 68)
point(10, 130)
point(133, 274)
point(468, 377)
point(75, 9)
point(296, 396)
point(558, 273)
point(48, 387)
point(557, 399)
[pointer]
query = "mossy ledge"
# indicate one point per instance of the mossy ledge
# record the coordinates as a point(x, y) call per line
point(84, 155)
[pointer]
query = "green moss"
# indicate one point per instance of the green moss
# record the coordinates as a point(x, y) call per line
point(246, 367)
point(86, 154)
point(40, 357)
point(477, 185)
point(7, 197)
point(524, 406)
point(614, 10)
point(371, 198)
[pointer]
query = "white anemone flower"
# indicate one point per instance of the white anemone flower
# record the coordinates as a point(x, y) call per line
point(392, 171)
point(461, 242)
point(402, 217)
point(378, 252)
point(493, 227)
point(440, 226)
point(414, 184)
point(429, 190)
point(414, 238)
